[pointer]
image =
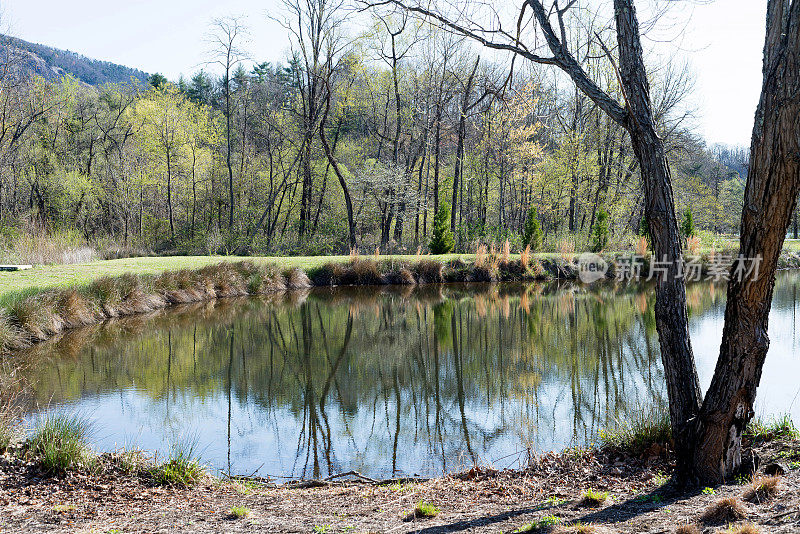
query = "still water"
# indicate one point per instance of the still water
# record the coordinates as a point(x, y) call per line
point(389, 381)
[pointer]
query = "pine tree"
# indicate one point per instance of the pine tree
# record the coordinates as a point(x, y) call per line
point(687, 225)
point(442, 241)
point(533, 230)
point(600, 231)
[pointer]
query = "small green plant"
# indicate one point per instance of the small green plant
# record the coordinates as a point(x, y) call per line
point(533, 230)
point(424, 509)
point(544, 522)
point(593, 498)
point(442, 241)
point(238, 512)
point(709, 491)
point(599, 236)
point(779, 428)
point(687, 224)
point(63, 508)
point(321, 529)
point(59, 442)
point(181, 468)
point(794, 465)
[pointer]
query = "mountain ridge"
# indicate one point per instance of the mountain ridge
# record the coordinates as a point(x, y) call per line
point(52, 63)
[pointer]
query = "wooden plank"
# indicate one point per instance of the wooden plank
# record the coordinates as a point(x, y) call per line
point(15, 267)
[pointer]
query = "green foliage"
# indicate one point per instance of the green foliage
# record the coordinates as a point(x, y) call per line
point(442, 241)
point(424, 509)
point(594, 498)
point(644, 230)
point(239, 512)
point(599, 235)
point(181, 468)
point(59, 442)
point(687, 224)
point(544, 522)
point(533, 230)
point(157, 81)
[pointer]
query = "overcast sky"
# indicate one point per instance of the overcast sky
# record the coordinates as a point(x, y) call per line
point(723, 42)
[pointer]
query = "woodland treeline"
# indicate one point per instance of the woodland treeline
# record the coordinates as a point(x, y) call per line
point(357, 140)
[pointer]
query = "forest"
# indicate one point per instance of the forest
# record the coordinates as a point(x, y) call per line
point(356, 141)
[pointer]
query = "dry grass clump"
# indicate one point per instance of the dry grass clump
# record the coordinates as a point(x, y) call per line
point(566, 248)
point(506, 253)
point(297, 279)
point(693, 245)
point(525, 257)
point(429, 272)
point(480, 256)
point(687, 529)
point(763, 488)
point(641, 246)
point(744, 528)
point(725, 510)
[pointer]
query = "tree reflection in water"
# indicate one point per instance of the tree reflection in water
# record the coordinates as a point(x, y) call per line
point(387, 381)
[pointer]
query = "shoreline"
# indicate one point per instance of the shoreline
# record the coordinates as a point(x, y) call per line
point(581, 491)
point(40, 314)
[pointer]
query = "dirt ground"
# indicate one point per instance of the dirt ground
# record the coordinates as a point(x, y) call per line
point(480, 500)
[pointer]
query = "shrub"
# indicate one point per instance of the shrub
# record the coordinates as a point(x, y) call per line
point(687, 529)
point(59, 442)
point(442, 241)
point(599, 238)
point(533, 230)
point(687, 224)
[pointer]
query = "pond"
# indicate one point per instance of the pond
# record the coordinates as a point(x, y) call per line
point(388, 381)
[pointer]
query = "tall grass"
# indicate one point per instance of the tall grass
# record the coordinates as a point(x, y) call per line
point(42, 248)
point(59, 442)
point(781, 427)
point(637, 433)
point(182, 467)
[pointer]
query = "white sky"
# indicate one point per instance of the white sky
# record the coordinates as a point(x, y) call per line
point(723, 42)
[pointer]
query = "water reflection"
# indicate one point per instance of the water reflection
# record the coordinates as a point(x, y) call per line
point(386, 381)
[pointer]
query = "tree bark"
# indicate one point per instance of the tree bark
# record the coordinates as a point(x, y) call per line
point(773, 183)
point(683, 387)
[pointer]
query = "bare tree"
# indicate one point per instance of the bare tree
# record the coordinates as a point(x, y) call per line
point(225, 38)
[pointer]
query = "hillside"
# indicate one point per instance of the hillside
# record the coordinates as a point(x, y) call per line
point(32, 58)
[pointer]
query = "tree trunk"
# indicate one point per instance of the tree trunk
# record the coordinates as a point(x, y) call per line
point(773, 183)
point(683, 388)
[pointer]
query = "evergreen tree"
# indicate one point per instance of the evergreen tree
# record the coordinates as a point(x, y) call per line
point(442, 241)
point(600, 231)
point(687, 225)
point(157, 80)
point(533, 230)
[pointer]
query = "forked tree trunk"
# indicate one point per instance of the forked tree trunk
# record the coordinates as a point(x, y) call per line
point(773, 183)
